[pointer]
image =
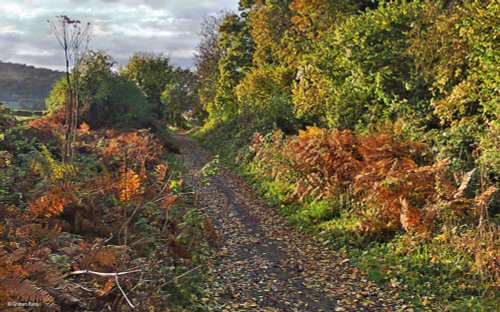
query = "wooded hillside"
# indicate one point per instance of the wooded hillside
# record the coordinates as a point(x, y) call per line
point(26, 85)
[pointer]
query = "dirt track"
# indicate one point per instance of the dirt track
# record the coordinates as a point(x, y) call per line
point(265, 264)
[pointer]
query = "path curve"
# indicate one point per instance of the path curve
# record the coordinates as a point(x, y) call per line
point(265, 264)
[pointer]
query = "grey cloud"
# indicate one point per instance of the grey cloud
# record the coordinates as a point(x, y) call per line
point(120, 27)
point(7, 44)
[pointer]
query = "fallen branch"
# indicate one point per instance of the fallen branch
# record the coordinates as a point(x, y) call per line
point(109, 275)
point(124, 294)
point(84, 288)
point(102, 274)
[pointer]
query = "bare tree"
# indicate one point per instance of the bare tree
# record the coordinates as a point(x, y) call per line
point(71, 36)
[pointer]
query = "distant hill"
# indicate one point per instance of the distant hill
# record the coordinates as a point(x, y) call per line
point(25, 87)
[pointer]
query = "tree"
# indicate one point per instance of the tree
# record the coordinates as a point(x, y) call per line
point(456, 48)
point(111, 100)
point(151, 73)
point(181, 98)
point(236, 45)
point(206, 59)
point(108, 100)
point(358, 73)
point(70, 35)
point(269, 21)
point(57, 96)
point(264, 93)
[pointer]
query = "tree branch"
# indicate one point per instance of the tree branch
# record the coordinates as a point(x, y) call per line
point(124, 294)
point(102, 274)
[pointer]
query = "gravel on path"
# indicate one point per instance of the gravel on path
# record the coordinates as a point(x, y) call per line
point(263, 263)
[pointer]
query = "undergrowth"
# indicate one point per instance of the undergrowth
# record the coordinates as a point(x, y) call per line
point(118, 207)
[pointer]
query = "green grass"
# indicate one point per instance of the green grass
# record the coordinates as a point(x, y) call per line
point(430, 275)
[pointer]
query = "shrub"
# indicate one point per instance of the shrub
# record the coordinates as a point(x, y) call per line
point(395, 183)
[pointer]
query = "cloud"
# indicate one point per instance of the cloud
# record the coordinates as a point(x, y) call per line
point(10, 30)
point(120, 27)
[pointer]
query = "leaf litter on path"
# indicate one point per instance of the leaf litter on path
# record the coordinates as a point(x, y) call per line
point(265, 264)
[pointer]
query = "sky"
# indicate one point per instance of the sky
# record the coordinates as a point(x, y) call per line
point(119, 27)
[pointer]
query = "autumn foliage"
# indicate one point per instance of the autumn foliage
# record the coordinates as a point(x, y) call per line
point(390, 185)
point(108, 211)
point(394, 182)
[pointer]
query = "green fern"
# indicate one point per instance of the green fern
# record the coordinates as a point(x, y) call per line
point(51, 169)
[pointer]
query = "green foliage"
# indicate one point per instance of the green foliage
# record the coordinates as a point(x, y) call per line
point(269, 23)
point(107, 99)
point(118, 102)
point(456, 48)
point(236, 45)
point(111, 100)
point(57, 97)
point(180, 99)
point(317, 212)
point(49, 168)
point(262, 102)
point(490, 149)
point(211, 168)
point(359, 74)
point(207, 57)
point(458, 143)
point(151, 73)
point(357, 66)
point(433, 272)
point(15, 147)
point(15, 173)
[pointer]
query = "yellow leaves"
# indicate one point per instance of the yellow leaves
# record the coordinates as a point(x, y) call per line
point(50, 168)
point(161, 171)
point(5, 159)
point(311, 132)
point(49, 205)
point(312, 17)
point(311, 93)
point(129, 185)
point(296, 20)
point(455, 105)
point(256, 89)
point(395, 282)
